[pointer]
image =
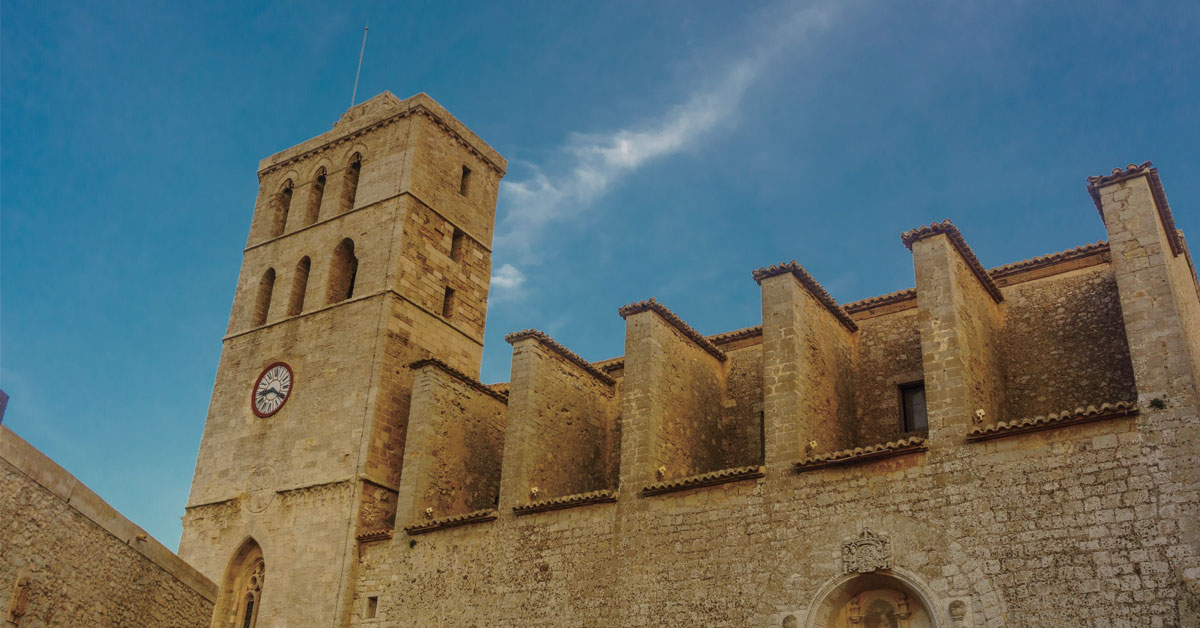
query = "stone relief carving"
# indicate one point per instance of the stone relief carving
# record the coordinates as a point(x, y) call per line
point(18, 604)
point(958, 612)
point(261, 493)
point(867, 553)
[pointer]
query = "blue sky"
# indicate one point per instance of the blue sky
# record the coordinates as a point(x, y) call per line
point(655, 149)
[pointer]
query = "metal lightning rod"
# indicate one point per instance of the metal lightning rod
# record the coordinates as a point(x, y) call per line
point(354, 94)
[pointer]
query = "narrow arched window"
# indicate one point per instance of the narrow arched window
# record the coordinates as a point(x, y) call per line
point(315, 195)
point(342, 272)
point(283, 204)
point(262, 305)
point(240, 596)
point(350, 183)
point(299, 286)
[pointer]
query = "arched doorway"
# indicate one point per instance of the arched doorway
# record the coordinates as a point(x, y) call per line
point(872, 600)
point(241, 589)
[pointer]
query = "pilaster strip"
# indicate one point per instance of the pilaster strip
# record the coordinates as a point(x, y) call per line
point(811, 286)
point(951, 232)
point(652, 305)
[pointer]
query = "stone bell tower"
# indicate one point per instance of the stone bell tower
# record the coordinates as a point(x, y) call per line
point(369, 248)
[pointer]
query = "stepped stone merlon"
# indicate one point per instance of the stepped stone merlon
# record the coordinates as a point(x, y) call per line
point(1155, 279)
point(808, 366)
point(960, 321)
point(452, 454)
point(562, 436)
point(671, 398)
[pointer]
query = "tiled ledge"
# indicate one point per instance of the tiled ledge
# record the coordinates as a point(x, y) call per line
point(452, 521)
point(566, 501)
point(863, 454)
point(704, 479)
point(1053, 420)
point(374, 535)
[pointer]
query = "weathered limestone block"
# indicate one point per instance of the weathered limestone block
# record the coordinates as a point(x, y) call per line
point(960, 318)
point(671, 399)
point(562, 436)
point(808, 367)
point(453, 452)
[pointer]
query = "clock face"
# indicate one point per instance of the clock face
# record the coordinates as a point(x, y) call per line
point(272, 389)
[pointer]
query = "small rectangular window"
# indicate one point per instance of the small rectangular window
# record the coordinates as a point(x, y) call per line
point(464, 184)
point(456, 244)
point(372, 607)
point(913, 399)
point(448, 303)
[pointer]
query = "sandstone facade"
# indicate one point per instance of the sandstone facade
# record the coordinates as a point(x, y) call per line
point(68, 559)
point(777, 475)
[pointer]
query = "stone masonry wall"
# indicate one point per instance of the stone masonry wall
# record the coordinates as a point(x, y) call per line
point(85, 564)
point(1063, 344)
point(563, 422)
point(672, 392)
point(459, 432)
point(889, 355)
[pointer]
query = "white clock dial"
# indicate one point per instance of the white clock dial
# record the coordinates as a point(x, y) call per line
point(272, 389)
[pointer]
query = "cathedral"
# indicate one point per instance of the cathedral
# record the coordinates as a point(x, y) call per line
point(1013, 446)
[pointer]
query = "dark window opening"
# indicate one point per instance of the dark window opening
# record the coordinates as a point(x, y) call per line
point(372, 607)
point(913, 399)
point(283, 204)
point(262, 306)
point(464, 184)
point(316, 195)
point(248, 617)
point(456, 244)
point(350, 183)
point(342, 273)
point(299, 287)
point(448, 303)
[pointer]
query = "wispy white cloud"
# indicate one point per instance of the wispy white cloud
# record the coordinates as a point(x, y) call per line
point(597, 161)
point(507, 283)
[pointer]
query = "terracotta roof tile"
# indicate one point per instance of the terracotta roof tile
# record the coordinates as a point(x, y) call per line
point(863, 454)
point(571, 356)
point(881, 300)
point(809, 284)
point(1131, 171)
point(1052, 420)
point(461, 376)
point(737, 334)
point(947, 228)
point(1050, 259)
point(566, 501)
point(651, 305)
point(705, 479)
point(450, 522)
point(375, 535)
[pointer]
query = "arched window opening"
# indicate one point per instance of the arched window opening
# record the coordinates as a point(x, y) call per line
point(299, 286)
point(315, 195)
point(262, 305)
point(350, 182)
point(342, 272)
point(241, 593)
point(283, 204)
